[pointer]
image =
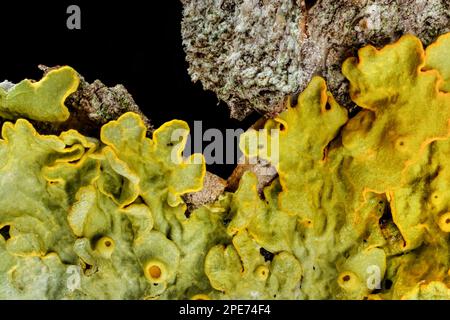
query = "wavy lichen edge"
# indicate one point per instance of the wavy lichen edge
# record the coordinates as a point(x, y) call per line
point(359, 210)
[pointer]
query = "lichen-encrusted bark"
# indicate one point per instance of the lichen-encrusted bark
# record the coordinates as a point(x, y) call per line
point(253, 53)
point(213, 187)
point(94, 104)
point(91, 106)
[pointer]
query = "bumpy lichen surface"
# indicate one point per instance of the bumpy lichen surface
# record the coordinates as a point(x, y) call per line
point(360, 209)
point(369, 195)
point(252, 53)
point(43, 100)
point(108, 207)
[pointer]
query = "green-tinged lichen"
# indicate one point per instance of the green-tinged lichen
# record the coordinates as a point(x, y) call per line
point(41, 101)
point(110, 208)
point(436, 58)
point(252, 53)
point(400, 103)
point(370, 192)
point(237, 268)
point(360, 208)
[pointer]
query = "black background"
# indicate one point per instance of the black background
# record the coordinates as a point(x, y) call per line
point(135, 43)
point(298, 310)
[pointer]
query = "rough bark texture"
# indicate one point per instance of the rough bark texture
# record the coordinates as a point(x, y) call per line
point(213, 187)
point(93, 105)
point(99, 104)
point(252, 53)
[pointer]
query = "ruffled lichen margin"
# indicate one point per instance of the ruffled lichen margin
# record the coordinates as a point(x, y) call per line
point(359, 210)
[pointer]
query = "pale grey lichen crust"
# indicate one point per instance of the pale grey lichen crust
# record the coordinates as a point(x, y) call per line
point(252, 53)
point(244, 51)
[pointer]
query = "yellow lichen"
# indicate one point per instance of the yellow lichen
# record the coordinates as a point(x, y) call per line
point(105, 246)
point(201, 297)
point(42, 100)
point(370, 193)
point(359, 210)
point(444, 222)
point(75, 202)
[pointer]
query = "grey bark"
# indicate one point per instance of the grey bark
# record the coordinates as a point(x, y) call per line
point(93, 105)
point(252, 53)
point(213, 187)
